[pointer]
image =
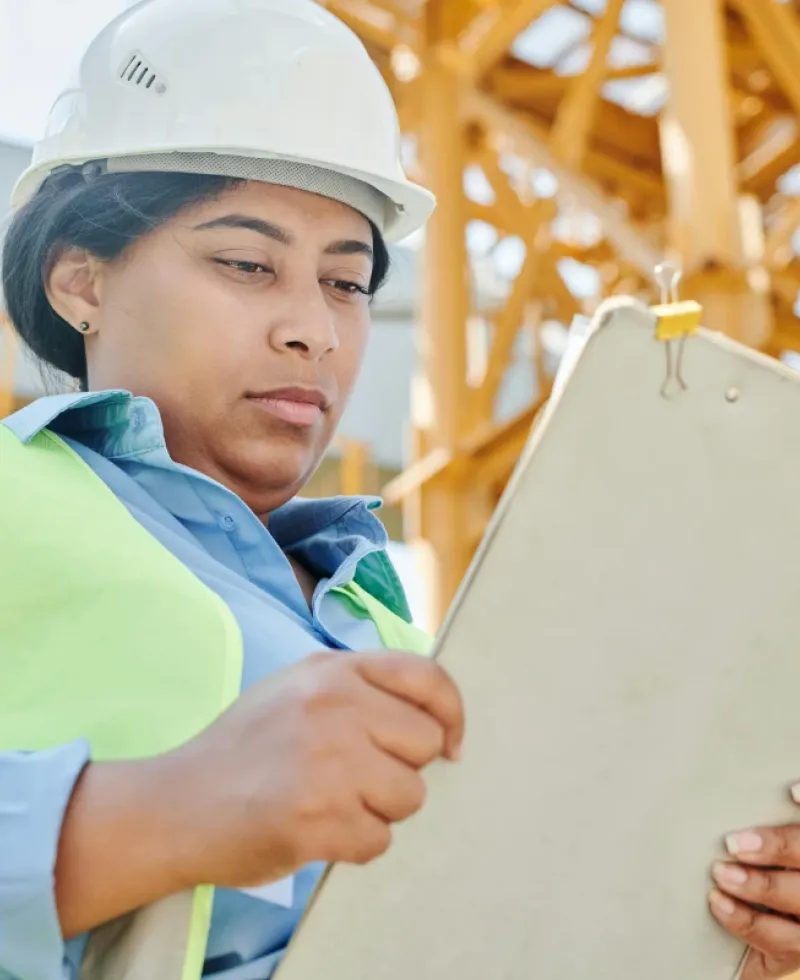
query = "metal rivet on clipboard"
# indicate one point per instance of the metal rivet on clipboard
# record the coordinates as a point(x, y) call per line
point(676, 321)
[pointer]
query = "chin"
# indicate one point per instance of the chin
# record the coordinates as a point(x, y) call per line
point(281, 473)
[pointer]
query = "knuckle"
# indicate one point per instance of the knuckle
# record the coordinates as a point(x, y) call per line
point(449, 694)
point(747, 927)
point(424, 738)
point(762, 885)
point(373, 844)
point(425, 672)
point(779, 845)
point(410, 799)
point(330, 688)
point(312, 808)
point(324, 797)
point(319, 658)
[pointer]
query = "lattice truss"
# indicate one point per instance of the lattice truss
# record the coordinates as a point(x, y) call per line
point(573, 145)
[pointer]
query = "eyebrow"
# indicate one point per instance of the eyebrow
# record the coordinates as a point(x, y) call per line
point(268, 230)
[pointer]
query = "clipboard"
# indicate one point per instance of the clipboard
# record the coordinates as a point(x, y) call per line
point(628, 645)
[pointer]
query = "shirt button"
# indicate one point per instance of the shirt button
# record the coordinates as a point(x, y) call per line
point(227, 523)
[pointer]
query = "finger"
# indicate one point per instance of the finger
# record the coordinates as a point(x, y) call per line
point(776, 890)
point(363, 840)
point(404, 731)
point(766, 846)
point(391, 790)
point(771, 934)
point(424, 683)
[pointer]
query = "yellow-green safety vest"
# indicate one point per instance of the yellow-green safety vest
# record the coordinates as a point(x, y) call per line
point(106, 635)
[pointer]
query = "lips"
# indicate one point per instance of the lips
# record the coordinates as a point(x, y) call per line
point(300, 407)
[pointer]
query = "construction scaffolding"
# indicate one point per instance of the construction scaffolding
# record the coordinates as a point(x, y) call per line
point(600, 146)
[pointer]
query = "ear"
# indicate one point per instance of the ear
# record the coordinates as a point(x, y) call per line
point(73, 287)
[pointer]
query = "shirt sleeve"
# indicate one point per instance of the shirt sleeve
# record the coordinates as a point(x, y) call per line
point(35, 788)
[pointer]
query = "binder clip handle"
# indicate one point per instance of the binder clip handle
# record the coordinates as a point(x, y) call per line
point(676, 321)
point(668, 276)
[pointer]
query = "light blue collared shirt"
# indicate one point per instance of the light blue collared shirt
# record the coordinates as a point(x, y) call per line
point(221, 540)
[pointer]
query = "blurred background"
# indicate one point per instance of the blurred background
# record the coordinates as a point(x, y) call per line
point(573, 146)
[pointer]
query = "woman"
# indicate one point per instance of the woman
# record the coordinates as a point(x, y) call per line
point(196, 243)
point(226, 286)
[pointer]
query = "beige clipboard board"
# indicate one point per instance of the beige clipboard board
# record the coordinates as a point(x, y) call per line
point(628, 646)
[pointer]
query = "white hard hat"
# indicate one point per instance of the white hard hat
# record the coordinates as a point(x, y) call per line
point(273, 90)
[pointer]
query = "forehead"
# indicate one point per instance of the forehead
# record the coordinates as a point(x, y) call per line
point(295, 210)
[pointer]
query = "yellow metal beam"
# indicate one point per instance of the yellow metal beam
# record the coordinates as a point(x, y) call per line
point(492, 215)
point(776, 29)
point(354, 468)
point(779, 252)
point(520, 83)
point(445, 291)
point(514, 133)
point(629, 176)
point(415, 476)
point(509, 320)
point(786, 288)
point(558, 301)
point(570, 136)
point(697, 136)
point(759, 171)
point(493, 451)
point(569, 140)
point(629, 180)
point(707, 226)
point(437, 514)
point(405, 19)
point(512, 211)
point(375, 24)
point(729, 131)
point(489, 35)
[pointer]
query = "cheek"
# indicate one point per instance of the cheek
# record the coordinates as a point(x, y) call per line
point(186, 326)
point(353, 336)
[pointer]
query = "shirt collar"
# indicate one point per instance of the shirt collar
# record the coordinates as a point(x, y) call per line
point(117, 424)
point(42, 413)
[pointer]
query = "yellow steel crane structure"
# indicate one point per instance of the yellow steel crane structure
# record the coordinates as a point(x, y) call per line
point(697, 174)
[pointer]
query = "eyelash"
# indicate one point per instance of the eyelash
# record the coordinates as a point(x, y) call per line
point(251, 268)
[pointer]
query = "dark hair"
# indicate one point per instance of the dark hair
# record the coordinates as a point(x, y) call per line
point(104, 215)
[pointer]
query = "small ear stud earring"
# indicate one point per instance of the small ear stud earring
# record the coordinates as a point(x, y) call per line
point(83, 326)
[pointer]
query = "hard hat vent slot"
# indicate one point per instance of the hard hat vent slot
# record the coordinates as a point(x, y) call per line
point(137, 71)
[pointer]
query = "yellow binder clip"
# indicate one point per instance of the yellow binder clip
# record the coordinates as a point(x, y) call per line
point(677, 320)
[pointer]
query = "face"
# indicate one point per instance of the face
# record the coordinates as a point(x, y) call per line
point(245, 320)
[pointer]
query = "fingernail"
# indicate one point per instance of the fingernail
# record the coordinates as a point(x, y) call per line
point(795, 791)
point(746, 842)
point(721, 903)
point(728, 874)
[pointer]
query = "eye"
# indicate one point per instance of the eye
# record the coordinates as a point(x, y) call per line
point(240, 265)
point(347, 287)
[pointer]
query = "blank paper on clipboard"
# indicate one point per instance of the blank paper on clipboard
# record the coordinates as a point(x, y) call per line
point(628, 646)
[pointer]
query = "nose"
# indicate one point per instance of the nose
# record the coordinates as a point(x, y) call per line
point(305, 323)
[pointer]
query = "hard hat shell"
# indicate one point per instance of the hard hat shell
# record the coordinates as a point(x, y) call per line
point(253, 88)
